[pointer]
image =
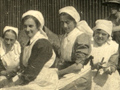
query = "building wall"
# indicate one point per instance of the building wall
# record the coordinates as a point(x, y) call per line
point(12, 10)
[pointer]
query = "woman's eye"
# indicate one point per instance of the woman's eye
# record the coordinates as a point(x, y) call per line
point(6, 39)
point(104, 34)
point(97, 32)
point(67, 22)
point(11, 40)
point(30, 26)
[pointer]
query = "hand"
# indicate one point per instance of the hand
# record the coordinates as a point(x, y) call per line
point(100, 65)
point(108, 70)
point(4, 73)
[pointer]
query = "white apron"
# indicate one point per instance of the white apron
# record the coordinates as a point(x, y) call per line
point(47, 79)
point(104, 81)
point(10, 60)
point(66, 51)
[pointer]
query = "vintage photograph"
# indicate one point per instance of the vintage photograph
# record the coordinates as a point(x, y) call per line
point(59, 44)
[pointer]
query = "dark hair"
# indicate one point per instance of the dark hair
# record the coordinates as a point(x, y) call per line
point(10, 30)
point(35, 19)
point(68, 16)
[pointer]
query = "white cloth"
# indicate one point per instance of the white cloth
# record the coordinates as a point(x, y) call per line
point(38, 15)
point(66, 52)
point(84, 27)
point(47, 78)
point(27, 49)
point(69, 78)
point(104, 25)
point(11, 28)
point(67, 44)
point(104, 81)
point(11, 59)
point(71, 11)
point(81, 25)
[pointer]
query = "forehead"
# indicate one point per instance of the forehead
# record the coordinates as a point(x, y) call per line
point(29, 21)
point(65, 17)
point(101, 31)
point(9, 35)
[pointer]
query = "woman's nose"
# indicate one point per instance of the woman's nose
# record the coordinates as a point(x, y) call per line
point(8, 42)
point(65, 25)
point(100, 35)
point(27, 28)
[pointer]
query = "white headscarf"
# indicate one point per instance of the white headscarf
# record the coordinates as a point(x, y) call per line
point(105, 25)
point(81, 25)
point(38, 15)
point(6, 28)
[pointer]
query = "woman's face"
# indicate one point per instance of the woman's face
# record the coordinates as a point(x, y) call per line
point(113, 8)
point(100, 37)
point(9, 39)
point(66, 24)
point(30, 27)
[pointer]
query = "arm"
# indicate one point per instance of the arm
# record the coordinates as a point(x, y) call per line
point(41, 53)
point(112, 63)
point(53, 38)
point(116, 28)
point(80, 53)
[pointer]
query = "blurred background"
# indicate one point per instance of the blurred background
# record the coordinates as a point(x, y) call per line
point(12, 10)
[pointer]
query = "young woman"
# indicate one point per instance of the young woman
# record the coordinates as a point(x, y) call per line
point(105, 53)
point(75, 49)
point(37, 56)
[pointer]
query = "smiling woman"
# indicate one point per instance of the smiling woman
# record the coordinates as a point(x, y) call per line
point(105, 53)
point(37, 56)
point(30, 25)
point(100, 36)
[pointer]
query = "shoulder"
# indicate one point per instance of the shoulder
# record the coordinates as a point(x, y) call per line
point(42, 43)
point(17, 47)
point(84, 37)
point(17, 43)
point(114, 45)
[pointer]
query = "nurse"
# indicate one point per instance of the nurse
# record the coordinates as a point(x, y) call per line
point(10, 51)
point(75, 49)
point(105, 53)
point(37, 57)
point(114, 9)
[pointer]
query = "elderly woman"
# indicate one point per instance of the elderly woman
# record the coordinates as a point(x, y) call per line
point(37, 57)
point(75, 49)
point(9, 53)
point(105, 53)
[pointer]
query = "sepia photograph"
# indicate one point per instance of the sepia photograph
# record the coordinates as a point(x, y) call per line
point(59, 44)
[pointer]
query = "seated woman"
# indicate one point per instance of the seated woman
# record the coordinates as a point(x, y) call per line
point(105, 53)
point(9, 53)
point(75, 49)
point(37, 57)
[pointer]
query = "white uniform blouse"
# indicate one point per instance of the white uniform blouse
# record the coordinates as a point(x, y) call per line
point(10, 59)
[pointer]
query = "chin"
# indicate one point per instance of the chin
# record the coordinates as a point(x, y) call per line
point(8, 46)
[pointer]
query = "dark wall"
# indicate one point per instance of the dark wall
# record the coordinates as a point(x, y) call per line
point(12, 10)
